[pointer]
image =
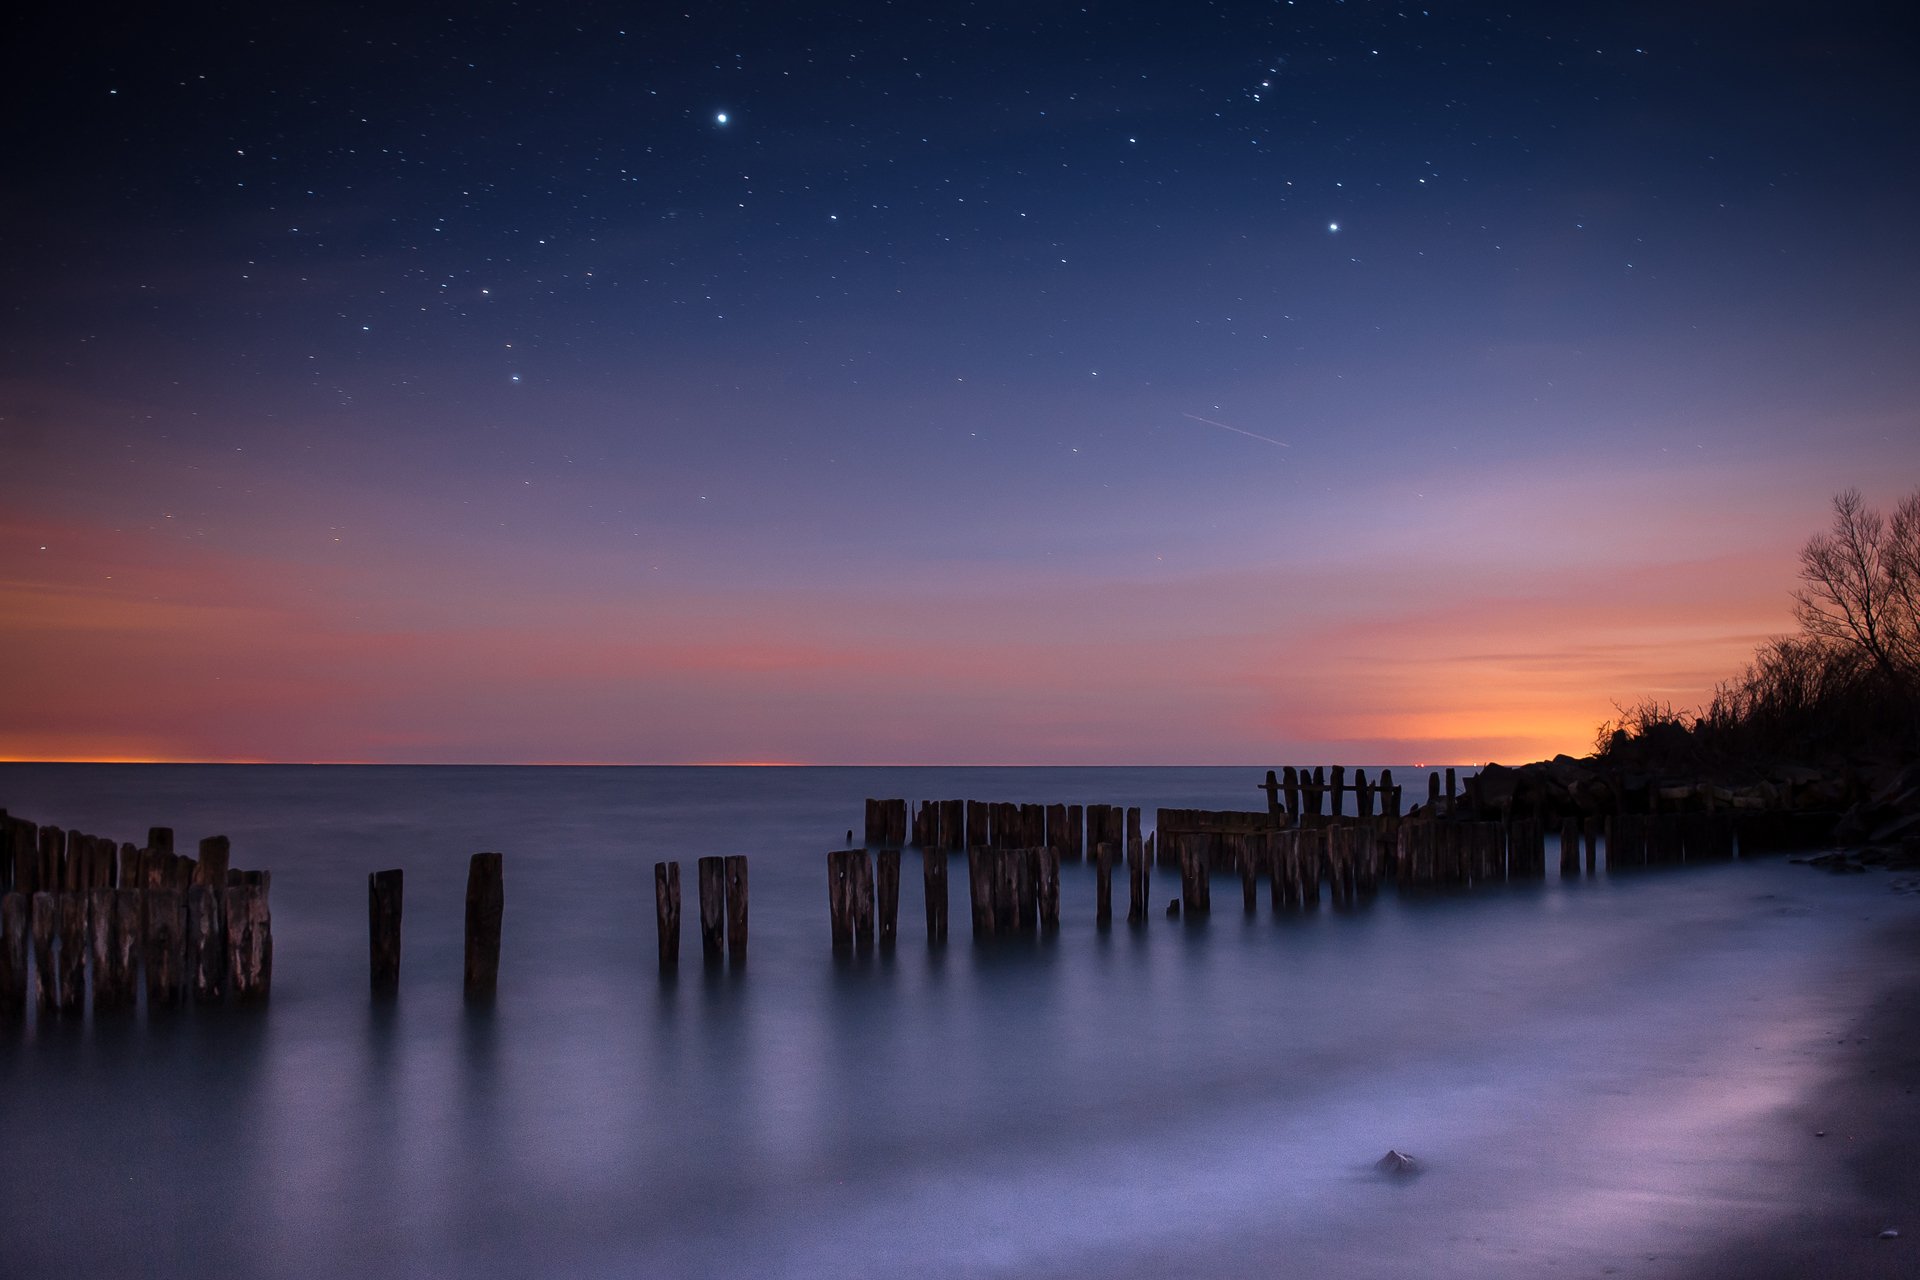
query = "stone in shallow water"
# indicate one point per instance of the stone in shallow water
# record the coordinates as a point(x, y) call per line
point(1890, 1234)
point(1397, 1162)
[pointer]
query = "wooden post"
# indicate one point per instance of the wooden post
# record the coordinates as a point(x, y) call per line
point(383, 929)
point(1592, 834)
point(889, 893)
point(1195, 892)
point(1047, 868)
point(486, 904)
point(123, 955)
point(1056, 833)
point(840, 897)
point(666, 912)
point(875, 829)
point(165, 947)
point(1249, 869)
point(1290, 785)
point(72, 974)
point(1033, 825)
point(1389, 795)
point(713, 906)
point(206, 944)
point(1313, 847)
point(863, 902)
point(46, 928)
point(1103, 882)
point(979, 827)
point(1570, 849)
point(15, 937)
point(52, 861)
point(215, 855)
point(1362, 794)
point(933, 879)
point(980, 889)
point(250, 933)
point(1339, 805)
point(736, 869)
point(1433, 793)
point(1076, 830)
point(1272, 787)
point(1136, 883)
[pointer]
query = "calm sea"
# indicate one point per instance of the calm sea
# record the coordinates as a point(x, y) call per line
point(1585, 1069)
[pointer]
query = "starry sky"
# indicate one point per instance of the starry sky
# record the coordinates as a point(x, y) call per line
point(932, 383)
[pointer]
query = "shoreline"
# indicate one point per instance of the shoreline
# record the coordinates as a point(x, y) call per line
point(1862, 1176)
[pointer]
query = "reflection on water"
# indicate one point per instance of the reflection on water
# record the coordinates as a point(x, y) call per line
point(1586, 1068)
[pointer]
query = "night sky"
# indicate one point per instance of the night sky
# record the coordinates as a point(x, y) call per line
point(932, 383)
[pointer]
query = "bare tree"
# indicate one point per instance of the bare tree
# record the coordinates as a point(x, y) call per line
point(1862, 583)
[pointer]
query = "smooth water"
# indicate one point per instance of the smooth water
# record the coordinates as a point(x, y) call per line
point(1585, 1069)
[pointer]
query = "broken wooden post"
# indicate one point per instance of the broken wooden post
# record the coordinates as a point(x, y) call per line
point(1047, 887)
point(15, 935)
point(46, 928)
point(1272, 787)
point(889, 894)
point(165, 947)
point(215, 855)
point(840, 897)
point(1433, 793)
point(1103, 882)
point(713, 907)
point(486, 904)
point(875, 828)
point(383, 930)
point(863, 902)
point(980, 890)
point(1389, 795)
point(1195, 892)
point(250, 932)
point(1249, 874)
point(206, 944)
point(1570, 849)
point(933, 880)
point(736, 869)
point(1136, 882)
point(1339, 804)
point(1290, 785)
point(666, 912)
point(1450, 791)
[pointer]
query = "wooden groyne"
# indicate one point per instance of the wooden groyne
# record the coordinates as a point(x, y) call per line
point(85, 919)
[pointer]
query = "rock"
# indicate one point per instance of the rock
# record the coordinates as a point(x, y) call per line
point(1173, 909)
point(1397, 1162)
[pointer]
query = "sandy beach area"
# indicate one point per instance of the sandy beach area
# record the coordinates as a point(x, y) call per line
point(1857, 1136)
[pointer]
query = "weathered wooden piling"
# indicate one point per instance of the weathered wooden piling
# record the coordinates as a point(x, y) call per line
point(1103, 882)
point(1290, 784)
point(486, 904)
point(1338, 776)
point(250, 932)
point(1363, 794)
point(713, 908)
point(15, 939)
point(1046, 862)
point(666, 912)
point(1056, 832)
point(933, 879)
point(46, 930)
point(72, 975)
point(737, 905)
point(165, 947)
point(1249, 869)
point(979, 826)
point(888, 887)
point(1452, 791)
point(1136, 882)
point(384, 902)
point(116, 989)
point(979, 890)
point(1076, 831)
point(1195, 890)
point(50, 873)
point(841, 880)
point(206, 944)
point(1569, 848)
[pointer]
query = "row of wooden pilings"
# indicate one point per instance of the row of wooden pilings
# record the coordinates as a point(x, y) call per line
point(84, 915)
point(723, 919)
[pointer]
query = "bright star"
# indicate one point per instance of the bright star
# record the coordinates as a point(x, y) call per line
point(1333, 226)
point(721, 118)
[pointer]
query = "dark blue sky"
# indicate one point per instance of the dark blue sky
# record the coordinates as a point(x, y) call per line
point(394, 358)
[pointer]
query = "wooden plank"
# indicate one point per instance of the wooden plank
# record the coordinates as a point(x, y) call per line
point(737, 906)
point(385, 899)
point(713, 905)
point(666, 912)
point(486, 905)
